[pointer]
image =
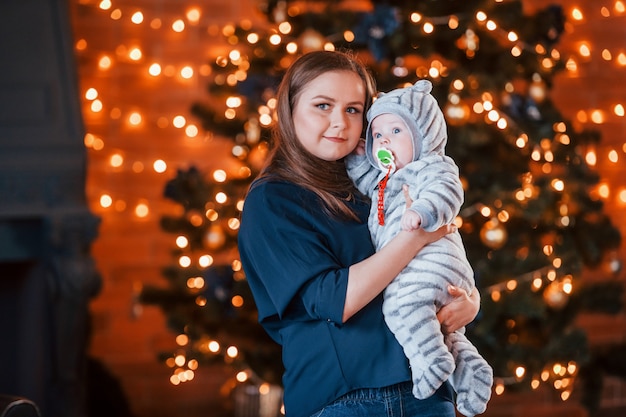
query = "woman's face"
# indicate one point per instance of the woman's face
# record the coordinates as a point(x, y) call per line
point(328, 114)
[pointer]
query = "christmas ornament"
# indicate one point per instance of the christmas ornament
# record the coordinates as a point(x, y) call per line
point(468, 42)
point(456, 114)
point(253, 130)
point(554, 296)
point(521, 107)
point(613, 264)
point(280, 12)
point(215, 237)
point(311, 40)
point(257, 156)
point(537, 89)
point(375, 27)
point(493, 234)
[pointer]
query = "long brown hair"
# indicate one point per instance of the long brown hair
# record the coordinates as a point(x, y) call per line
point(288, 160)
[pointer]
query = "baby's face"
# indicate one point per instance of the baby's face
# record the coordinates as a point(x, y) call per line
point(389, 131)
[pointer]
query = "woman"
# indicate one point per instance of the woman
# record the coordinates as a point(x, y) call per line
point(308, 257)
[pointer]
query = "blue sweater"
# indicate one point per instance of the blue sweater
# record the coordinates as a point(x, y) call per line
point(296, 260)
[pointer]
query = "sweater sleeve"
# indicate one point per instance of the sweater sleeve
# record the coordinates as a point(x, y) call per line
point(291, 270)
point(364, 176)
point(436, 190)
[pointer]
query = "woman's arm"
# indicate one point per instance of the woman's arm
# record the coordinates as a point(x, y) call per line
point(369, 277)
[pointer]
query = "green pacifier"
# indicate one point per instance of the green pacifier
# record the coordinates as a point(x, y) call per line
point(385, 159)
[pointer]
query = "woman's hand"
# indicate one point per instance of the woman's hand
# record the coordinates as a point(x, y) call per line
point(460, 311)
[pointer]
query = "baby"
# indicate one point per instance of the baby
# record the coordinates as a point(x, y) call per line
point(405, 144)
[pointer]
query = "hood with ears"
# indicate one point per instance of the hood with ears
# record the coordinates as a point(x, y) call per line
point(421, 113)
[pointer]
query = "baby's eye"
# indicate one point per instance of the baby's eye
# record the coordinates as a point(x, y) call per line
point(397, 130)
point(376, 135)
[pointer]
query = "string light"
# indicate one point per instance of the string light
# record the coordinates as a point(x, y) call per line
point(193, 14)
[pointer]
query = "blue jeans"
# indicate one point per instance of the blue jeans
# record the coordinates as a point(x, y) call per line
point(392, 401)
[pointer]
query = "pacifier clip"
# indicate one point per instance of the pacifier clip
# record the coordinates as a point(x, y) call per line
point(381, 198)
point(385, 160)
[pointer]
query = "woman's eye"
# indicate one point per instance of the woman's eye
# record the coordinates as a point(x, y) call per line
point(323, 106)
point(353, 110)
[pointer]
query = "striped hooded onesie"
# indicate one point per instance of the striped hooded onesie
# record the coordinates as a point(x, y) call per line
point(413, 298)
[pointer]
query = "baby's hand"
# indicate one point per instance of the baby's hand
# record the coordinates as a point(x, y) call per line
point(410, 220)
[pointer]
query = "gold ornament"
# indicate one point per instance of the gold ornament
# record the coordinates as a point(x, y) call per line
point(195, 218)
point(555, 296)
point(612, 263)
point(215, 237)
point(538, 91)
point(493, 234)
point(258, 155)
point(311, 40)
point(456, 114)
point(469, 43)
point(280, 12)
point(253, 130)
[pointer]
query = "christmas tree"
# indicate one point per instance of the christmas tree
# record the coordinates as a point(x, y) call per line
point(530, 225)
